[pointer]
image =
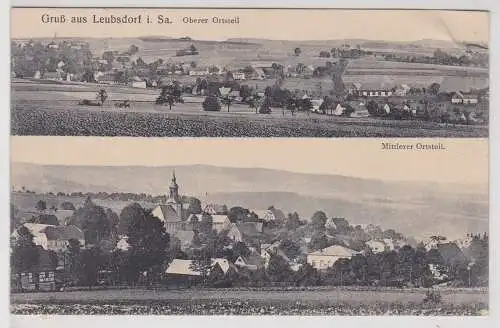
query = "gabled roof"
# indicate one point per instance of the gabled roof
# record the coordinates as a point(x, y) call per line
point(184, 267)
point(253, 260)
point(248, 229)
point(37, 229)
point(335, 250)
point(218, 208)
point(64, 233)
point(169, 213)
point(219, 218)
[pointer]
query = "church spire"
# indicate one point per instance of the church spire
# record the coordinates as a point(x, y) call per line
point(174, 190)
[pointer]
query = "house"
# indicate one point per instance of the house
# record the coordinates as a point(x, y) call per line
point(214, 209)
point(354, 88)
point(402, 90)
point(330, 224)
point(139, 84)
point(252, 262)
point(271, 214)
point(173, 213)
point(53, 238)
point(246, 232)
point(219, 222)
point(257, 74)
point(338, 110)
point(198, 72)
point(359, 108)
point(271, 251)
point(53, 45)
point(327, 257)
point(122, 243)
point(316, 105)
point(376, 246)
point(465, 98)
point(238, 76)
point(187, 268)
point(40, 277)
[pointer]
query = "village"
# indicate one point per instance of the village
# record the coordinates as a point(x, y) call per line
point(337, 87)
point(179, 242)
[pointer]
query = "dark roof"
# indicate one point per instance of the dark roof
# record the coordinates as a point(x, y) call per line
point(248, 229)
point(170, 214)
point(63, 233)
point(278, 214)
point(253, 260)
point(451, 254)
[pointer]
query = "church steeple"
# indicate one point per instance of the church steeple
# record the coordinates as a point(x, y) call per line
point(173, 196)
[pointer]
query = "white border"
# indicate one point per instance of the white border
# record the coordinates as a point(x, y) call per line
point(206, 322)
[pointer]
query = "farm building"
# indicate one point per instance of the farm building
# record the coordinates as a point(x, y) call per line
point(271, 214)
point(251, 262)
point(325, 258)
point(220, 222)
point(199, 72)
point(40, 277)
point(213, 209)
point(188, 272)
point(464, 98)
point(238, 76)
point(53, 238)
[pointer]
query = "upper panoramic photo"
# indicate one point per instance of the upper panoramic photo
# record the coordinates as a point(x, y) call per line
point(249, 73)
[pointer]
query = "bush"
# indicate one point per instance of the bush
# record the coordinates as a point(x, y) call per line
point(265, 109)
point(211, 104)
point(432, 297)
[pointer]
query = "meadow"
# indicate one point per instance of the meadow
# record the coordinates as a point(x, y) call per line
point(303, 301)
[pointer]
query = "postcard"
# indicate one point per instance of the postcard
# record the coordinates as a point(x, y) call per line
point(249, 72)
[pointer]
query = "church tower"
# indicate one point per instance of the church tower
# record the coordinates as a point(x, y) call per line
point(173, 197)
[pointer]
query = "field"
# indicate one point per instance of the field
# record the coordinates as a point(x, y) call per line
point(314, 301)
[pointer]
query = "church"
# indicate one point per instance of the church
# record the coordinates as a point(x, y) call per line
point(174, 212)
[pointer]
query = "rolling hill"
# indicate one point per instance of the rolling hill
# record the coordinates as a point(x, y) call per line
point(417, 209)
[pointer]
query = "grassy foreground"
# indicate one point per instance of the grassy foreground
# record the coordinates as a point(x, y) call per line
point(250, 302)
point(30, 121)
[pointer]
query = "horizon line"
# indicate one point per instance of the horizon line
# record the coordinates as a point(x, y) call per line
point(416, 181)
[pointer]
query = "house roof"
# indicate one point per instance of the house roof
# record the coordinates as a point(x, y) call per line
point(335, 250)
point(36, 229)
point(278, 214)
point(169, 213)
point(216, 218)
point(181, 267)
point(218, 208)
point(63, 233)
point(253, 260)
point(248, 229)
point(184, 267)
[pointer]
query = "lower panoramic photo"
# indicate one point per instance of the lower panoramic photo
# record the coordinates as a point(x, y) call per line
point(184, 233)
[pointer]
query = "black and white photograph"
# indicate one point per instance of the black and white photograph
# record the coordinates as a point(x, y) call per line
point(249, 72)
point(166, 230)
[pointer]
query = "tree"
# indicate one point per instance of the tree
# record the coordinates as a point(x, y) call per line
point(291, 249)
point(278, 269)
point(92, 220)
point(255, 102)
point(25, 253)
point(47, 219)
point(89, 266)
point(318, 220)
point(227, 100)
point(434, 88)
point(318, 241)
point(13, 218)
point(297, 51)
point(293, 221)
point(206, 224)
point(133, 49)
point(211, 104)
point(72, 257)
point(307, 276)
point(148, 242)
point(194, 206)
point(102, 96)
point(67, 206)
point(41, 205)
point(113, 221)
point(128, 216)
point(192, 48)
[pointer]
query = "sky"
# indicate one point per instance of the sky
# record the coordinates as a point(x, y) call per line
point(279, 24)
point(464, 161)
